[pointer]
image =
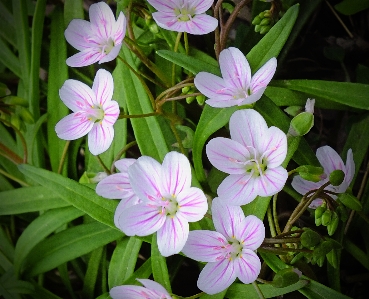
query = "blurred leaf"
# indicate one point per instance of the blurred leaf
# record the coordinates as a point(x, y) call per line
point(159, 265)
point(123, 260)
point(41, 292)
point(334, 53)
point(29, 199)
point(39, 229)
point(92, 272)
point(362, 74)
point(350, 7)
point(58, 74)
point(11, 287)
point(6, 251)
point(8, 59)
point(7, 25)
point(67, 245)
point(350, 94)
point(73, 9)
point(82, 197)
point(143, 272)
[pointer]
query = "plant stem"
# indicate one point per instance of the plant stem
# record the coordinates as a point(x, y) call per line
point(257, 289)
point(120, 154)
point(13, 178)
point(64, 154)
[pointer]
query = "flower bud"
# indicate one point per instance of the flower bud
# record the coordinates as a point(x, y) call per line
point(256, 20)
point(189, 100)
point(350, 201)
point(265, 29)
point(326, 217)
point(332, 226)
point(14, 100)
point(186, 89)
point(15, 121)
point(265, 21)
point(319, 211)
point(336, 177)
point(25, 115)
point(285, 277)
point(310, 238)
point(342, 213)
point(332, 258)
point(200, 99)
point(301, 124)
point(310, 173)
point(293, 110)
point(257, 28)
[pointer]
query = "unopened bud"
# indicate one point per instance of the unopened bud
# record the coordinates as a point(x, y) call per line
point(257, 28)
point(332, 258)
point(189, 100)
point(25, 115)
point(326, 217)
point(319, 211)
point(285, 277)
point(256, 20)
point(265, 21)
point(310, 173)
point(301, 124)
point(350, 201)
point(332, 226)
point(14, 100)
point(310, 238)
point(186, 89)
point(200, 99)
point(265, 29)
point(336, 177)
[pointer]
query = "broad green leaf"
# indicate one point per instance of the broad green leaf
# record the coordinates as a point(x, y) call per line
point(147, 130)
point(65, 277)
point(159, 265)
point(350, 7)
point(6, 251)
point(58, 73)
point(67, 245)
point(272, 43)
point(241, 291)
point(350, 94)
point(257, 207)
point(43, 293)
point(11, 287)
point(143, 272)
point(313, 290)
point(211, 120)
point(39, 229)
point(8, 59)
point(78, 195)
point(7, 25)
point(73, 9)
point(29, 199)
point(215, 296)
point(104, 296)
point(123, 260)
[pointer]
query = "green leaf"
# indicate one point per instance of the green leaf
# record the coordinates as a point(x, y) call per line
point(29, 199)
point(39, 229)
point(123, 260)
point(92, 272)
point(211, 120)
point(67, 245)
point(350, 7)
point(143, 272)
point(159, 265)
point(241, 291)
point(58, 74)
point(147, 130)
point(346, 93)
point(272, 43)
point(8, 59)
point(7, 25)
point(80, 196)
point(73, 9)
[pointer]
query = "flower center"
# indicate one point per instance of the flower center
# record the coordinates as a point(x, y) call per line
point(107, 46)
point(231, 250)
point(170, 205)
point(95, 114)
point(242, 94)
point(184, 14)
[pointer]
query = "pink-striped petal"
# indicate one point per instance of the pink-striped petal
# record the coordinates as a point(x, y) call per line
point(86, 57)
point(102, 17)
point(192, 204)
point(133, 292)
point(77, 34)
point(227, 155)
point(123, 164)
point(201, 6)
point(201, 24)
point(103, 86)
point(146, 179)
point(172, 236)
point(76, 95)
point(73, 126)
point(114, 52)
point(247, 266)
point(123, 205)
point(226, 218)
point(216, 277)
point(303, 186)
point(274, 147)
point(153, 285)
point(213, 87)
point(251, 232)
point(237, 189)
point(248, 127)
point(177, 173)
point(111, 113)
point(115, 186)
point(263, 76)
point(271, 182)
point(235, 68)
point(141, 220)
point(165, 6)
point(252, 98)
point(204, 246)
point(350, 167)
point(100, 138)
point(329, 159)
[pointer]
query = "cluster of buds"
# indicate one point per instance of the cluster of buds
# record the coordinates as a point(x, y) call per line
point(263, 22)
point(191, 90)
point(13, 110)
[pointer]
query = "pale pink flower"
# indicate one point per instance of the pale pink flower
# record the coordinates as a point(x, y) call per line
point(253, 158)
point(168, 202)
point(237, 87)
point(117, 186)
point(94, 112)
point(184, 15)
point(330, 161)
point(98, 40)
point(230, 251)
point(151, 289)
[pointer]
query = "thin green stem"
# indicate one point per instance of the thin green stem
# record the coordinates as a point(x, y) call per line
point(257, 289)
point(275, 215)
point(10, 155)
point(271, 222)
point(64, 154)
point(120, 154)
point(186, 43)
point(281, 241)
point(106, 169)
point(13, 178)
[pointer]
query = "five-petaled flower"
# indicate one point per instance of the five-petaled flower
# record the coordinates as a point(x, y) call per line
point(168, 202)
point(330, 161)
point(94, 113)
point(117, 186)
point(237, 87)
point(229, 251)
point(184, 15)
point(151, 289)
point(253, 158)
point(98, 40)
